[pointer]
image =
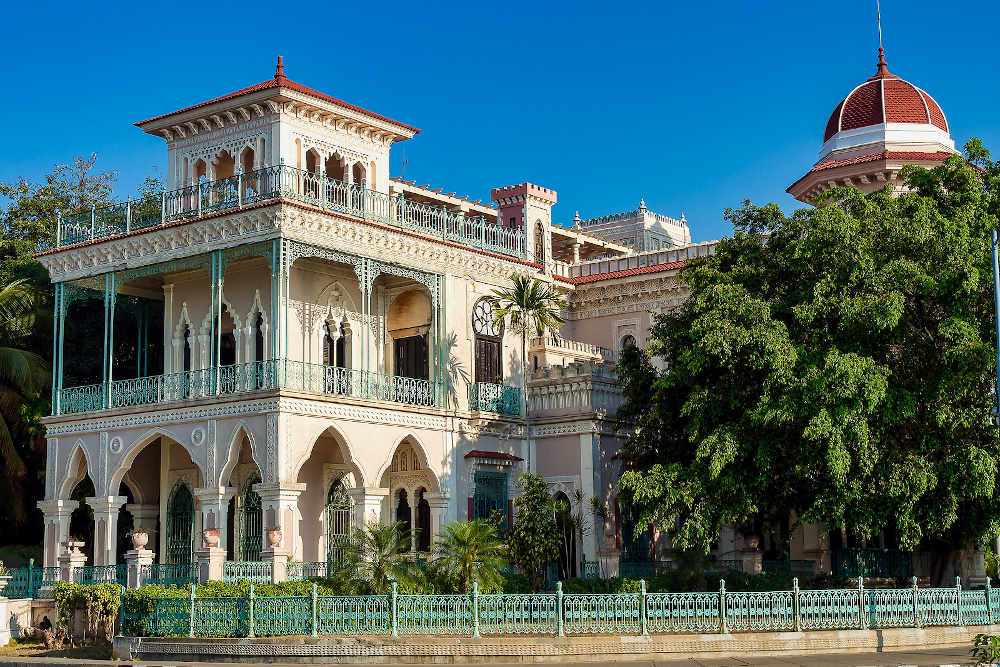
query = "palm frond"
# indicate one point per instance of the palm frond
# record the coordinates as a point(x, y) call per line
point(21, 370)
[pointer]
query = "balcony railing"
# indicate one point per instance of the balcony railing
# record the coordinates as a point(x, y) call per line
point(284, 182)
point(242, 378)
point(499, 398)
point(572, 347)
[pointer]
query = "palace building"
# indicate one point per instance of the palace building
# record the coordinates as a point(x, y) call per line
point(295, 343)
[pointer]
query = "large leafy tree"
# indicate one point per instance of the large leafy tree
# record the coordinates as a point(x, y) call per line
point(838, 363)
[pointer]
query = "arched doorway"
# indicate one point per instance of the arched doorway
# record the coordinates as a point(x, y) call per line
point(403, 510)
point(339, 510)
point(251, 521)
point(81, 521)
point(180, 525)
point(423, 527)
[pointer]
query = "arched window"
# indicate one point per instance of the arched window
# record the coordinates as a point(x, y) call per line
point(258, 338)
point(628, 340)
point(180, 525)
point(423, 521)
point(539, 243)
point(227, 339)
point(338, 520)
point(186, 362)
point(489, 342)
point(251, 518)
point(334, 342)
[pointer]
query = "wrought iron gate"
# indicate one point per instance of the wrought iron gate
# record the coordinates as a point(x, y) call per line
point(180, 525)
point(490, 495)
point(251, 522)
point(338, 521)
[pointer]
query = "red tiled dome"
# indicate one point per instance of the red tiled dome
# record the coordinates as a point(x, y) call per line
point(884, 98)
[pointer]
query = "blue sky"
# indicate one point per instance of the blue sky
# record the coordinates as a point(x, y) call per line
point(694, 106)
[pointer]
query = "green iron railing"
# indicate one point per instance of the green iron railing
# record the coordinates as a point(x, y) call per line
point(26, 581)
point(491, 397)
point(249, 377)
point(101, 574)
point(169, 574)
point(289, 183)
point(643, 569)
point(559, 614)
point(254, 571)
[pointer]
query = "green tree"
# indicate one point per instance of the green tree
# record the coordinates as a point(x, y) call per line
point(374, 557)
point(23, 377)
point(533, 541)
point(529, 305)
point(838, 363)
point(471, 551)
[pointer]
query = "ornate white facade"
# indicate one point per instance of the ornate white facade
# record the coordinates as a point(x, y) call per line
point(291, 342)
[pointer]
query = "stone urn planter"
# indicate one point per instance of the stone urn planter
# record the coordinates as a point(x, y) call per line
point(211, 537)
point(752, 542)
point(73, 545)
point(140, 539)
point(274, 537)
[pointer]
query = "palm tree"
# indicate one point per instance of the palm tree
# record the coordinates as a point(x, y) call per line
point(375, 557)
point(471, 551)
point(22, 375)
point(529, 305)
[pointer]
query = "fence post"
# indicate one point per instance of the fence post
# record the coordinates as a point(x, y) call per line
point(642, 607)
point(322, 191)
point(121, 612)
point(916, 605)
point(475, 608)
point(395, 619)
point(861, 603)
point(559, 610)
point(958, 599)
point(250, 624)
point(795, 605)
point(163, 206)
point(191, 620)
point(128, 214)
point(723, 626)
point(31, 581)
point(989, 606)
point(93, 222)
point(239, 187)
point(315, 619)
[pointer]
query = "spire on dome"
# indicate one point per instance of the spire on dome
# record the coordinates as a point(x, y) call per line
point(279, 71)
point(883, 68)
point(642, 204)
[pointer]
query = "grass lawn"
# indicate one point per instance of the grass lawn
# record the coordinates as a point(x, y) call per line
point(35, 647)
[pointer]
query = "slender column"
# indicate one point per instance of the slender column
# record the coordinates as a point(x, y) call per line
point(213, 355)
point(104, 358)
point(439, 506)
point(168, 328)
point(56, 515)
point(413, 520)
point(106, 527)
point(275, 263)
point(367, 504)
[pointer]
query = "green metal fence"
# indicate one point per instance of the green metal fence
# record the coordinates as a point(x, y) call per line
point(561, 614)
point(25, 582)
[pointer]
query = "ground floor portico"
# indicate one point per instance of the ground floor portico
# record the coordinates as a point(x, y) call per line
point(279, 474)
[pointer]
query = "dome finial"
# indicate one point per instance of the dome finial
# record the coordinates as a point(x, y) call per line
point(279, 71)
point(883, 68)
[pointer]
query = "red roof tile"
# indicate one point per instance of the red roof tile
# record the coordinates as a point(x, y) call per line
point(655, 268)
point(883, 155)
point(279, 81)
point(884, 98)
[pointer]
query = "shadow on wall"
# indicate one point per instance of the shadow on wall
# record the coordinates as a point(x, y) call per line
point(455, 374)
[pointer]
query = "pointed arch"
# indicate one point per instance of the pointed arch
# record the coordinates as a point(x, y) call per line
point(240, 430)
point(346, 451)
point(139, 444)
point(77, 468)
point(421, 452)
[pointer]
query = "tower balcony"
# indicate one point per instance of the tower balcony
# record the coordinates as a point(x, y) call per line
point(282, 182)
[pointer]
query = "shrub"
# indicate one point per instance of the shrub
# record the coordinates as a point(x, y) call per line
point(100, 601)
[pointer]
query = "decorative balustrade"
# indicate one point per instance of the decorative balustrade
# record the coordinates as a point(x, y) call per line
point(254, 376)
point(558, 613)
point(284, 182)
point(300, 571)
point(573, 347)
point(491, 397)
